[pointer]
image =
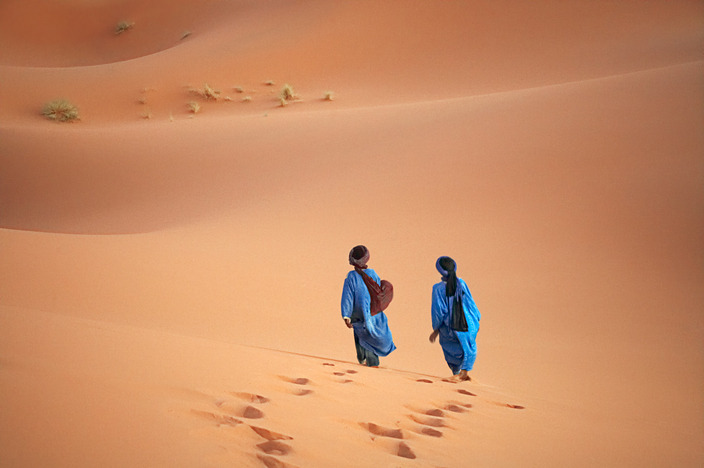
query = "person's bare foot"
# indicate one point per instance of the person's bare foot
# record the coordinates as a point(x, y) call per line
point(463, 376)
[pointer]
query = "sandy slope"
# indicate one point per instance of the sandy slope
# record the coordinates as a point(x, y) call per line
point(156, 275)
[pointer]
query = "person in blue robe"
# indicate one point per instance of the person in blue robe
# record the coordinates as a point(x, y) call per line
point(459, 347)
point(372, 336)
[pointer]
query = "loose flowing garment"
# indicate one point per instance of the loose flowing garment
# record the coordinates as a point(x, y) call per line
point(460, 348)
point(372, 331)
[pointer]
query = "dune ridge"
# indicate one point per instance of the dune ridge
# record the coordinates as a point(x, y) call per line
point(170, 281)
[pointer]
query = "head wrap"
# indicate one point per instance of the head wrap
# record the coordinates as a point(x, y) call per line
point(359, 256)
point(448, 269)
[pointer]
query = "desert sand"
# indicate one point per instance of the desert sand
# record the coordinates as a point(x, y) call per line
point(170, 281)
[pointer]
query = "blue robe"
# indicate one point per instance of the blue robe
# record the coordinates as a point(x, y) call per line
point(460, 348)
point(373, 332)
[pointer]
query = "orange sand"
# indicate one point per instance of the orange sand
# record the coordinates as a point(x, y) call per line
point(170, 282)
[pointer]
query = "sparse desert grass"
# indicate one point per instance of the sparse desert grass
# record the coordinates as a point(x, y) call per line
point(247, 99)
point(185, 34)
point(287, 93)
point(238, 89)
point(193, 107)
point(329, 96)
point(123, 26)
point(60, 110)
point(147, 114)
point(207, 92)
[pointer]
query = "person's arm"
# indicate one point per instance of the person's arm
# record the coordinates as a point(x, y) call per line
point(347, 302)
point(434, 336)
point(437, 311)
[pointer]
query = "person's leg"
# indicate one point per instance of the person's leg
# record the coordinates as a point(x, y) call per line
point(372, 359)
point(361, 352)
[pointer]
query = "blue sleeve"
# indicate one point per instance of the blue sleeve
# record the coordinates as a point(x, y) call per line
point(439, 306)
point(347, 298)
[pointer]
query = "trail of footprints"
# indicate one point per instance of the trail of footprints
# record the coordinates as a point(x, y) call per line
point(275, 446)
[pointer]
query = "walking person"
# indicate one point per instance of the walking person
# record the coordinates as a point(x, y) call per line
point(372, 337)
point(459, 347)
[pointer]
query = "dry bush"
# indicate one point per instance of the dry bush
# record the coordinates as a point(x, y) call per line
point(329, 96)
point(60, 110)
point(287, 93)
point(207, 92)
point(123, 26)
point(193, 107)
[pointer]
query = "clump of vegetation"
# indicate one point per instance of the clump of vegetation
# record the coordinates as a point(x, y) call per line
point(123, 26)
point(287, 93)
point(269, 83)
point(329, 96)
point(185, 34)
point(208, 92)
point(193, 107)
point(60, 110)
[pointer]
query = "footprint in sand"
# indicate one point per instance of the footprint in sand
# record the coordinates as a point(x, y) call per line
point(457, 408)
point(515, 406)
point(428, 421)
point(429, 431)
point(219, 419)
point(251, 397)
point(465, 392)
point(300, 382)
point(269, 435)
point(424, 381)
point(405, 451)
point(273, 462)
point(275, 447)
point(377, 430)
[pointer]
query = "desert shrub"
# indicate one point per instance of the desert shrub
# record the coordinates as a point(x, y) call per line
point(329, 96)
point(193, 107)
point(287, 93)
point(207, 92)
point(123, 26)
point(60, 110)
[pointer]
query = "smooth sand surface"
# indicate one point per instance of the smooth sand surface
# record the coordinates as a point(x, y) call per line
point(170, 281)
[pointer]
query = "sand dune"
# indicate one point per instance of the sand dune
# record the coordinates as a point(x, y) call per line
point(170, 282)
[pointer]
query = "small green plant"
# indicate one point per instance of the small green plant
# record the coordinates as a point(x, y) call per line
point(287, 93)
point(123, 26)
point(60, 110)
point(193, 107)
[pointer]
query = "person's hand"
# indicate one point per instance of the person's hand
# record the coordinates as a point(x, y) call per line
point(433, 336)
point(348, 322)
